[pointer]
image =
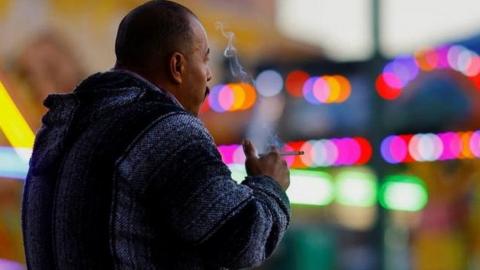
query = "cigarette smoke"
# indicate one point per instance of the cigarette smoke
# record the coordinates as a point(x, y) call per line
point(230, 52)
point(267, 112)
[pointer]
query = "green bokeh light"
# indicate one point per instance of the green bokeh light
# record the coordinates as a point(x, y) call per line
point(311, 188)
point(356, 187)
point(238, 172)
point(403, 192)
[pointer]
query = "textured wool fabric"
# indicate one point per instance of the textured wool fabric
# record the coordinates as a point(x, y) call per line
point(121, 177)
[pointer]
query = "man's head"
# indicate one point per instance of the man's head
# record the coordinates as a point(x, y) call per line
point(165, 42)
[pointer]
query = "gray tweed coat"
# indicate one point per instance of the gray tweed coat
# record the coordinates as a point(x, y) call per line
point(121, 177)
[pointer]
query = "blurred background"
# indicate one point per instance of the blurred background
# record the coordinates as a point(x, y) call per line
point(383, 96)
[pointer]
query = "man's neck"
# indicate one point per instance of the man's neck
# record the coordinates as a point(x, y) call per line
point(146, 79)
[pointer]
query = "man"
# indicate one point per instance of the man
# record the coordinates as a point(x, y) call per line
point(124, 176)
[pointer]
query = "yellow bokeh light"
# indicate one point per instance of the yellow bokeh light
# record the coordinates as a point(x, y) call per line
point(13, 125)
point(238, 96)
point(334, 87)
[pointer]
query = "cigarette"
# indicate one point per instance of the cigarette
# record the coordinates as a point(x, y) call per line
point(292, 153)
point(288, 153)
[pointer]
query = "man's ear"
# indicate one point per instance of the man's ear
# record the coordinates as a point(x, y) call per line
point(177, 67)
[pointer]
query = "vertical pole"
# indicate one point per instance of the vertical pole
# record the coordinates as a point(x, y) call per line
point(377, 131)
point(376, 13)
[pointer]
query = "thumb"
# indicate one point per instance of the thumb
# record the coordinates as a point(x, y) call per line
point(249, 149)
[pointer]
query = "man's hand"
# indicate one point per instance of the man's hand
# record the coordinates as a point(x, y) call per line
point(271, 164)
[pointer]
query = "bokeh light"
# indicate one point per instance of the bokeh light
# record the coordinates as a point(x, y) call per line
point(295, 81)
point(12, 123)
point(310, 188)
point(315, 90)
point(317, 153)
point(356, 188)
point(431, 147)
point(269, 83)
point(226, 98)
point(385, 90)
point(404, 193)
point(394, 149)
point(231, 97)
point(13, 165)
point(345, 87)
point(399, 72)
point(326, 89)
point(475, 144)
point(307, 91)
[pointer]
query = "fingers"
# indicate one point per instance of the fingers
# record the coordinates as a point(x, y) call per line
point(249, 149)
point(271, 151)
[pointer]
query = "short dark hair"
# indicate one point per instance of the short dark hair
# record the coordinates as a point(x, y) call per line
point(152, 30)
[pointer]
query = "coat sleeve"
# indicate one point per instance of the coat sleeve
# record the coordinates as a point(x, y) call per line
point(235, 225)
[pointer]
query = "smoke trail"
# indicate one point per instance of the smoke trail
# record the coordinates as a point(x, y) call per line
point(230, 52)
point(267, 112)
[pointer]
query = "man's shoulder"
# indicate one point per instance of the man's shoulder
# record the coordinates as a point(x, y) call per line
point(181, 124)
point(161, 142)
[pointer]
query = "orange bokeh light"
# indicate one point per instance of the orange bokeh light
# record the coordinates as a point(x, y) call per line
point(239, 96)
point(465, 142)
point(250, 96)
point(335, 89)
point(346, 88)
point(426, 60)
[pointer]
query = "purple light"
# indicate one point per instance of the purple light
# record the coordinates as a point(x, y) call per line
point(451, 145)
point(213, 98)
point(226, 98)
point(385, 150)
point(404, 69)
point(408, 66)
point(10, 265)
point(348, 151)
point(308, 91)
point(442, 53)
point(321, 90)
point(342, 158)
point(392, 80)
point(398, 149)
